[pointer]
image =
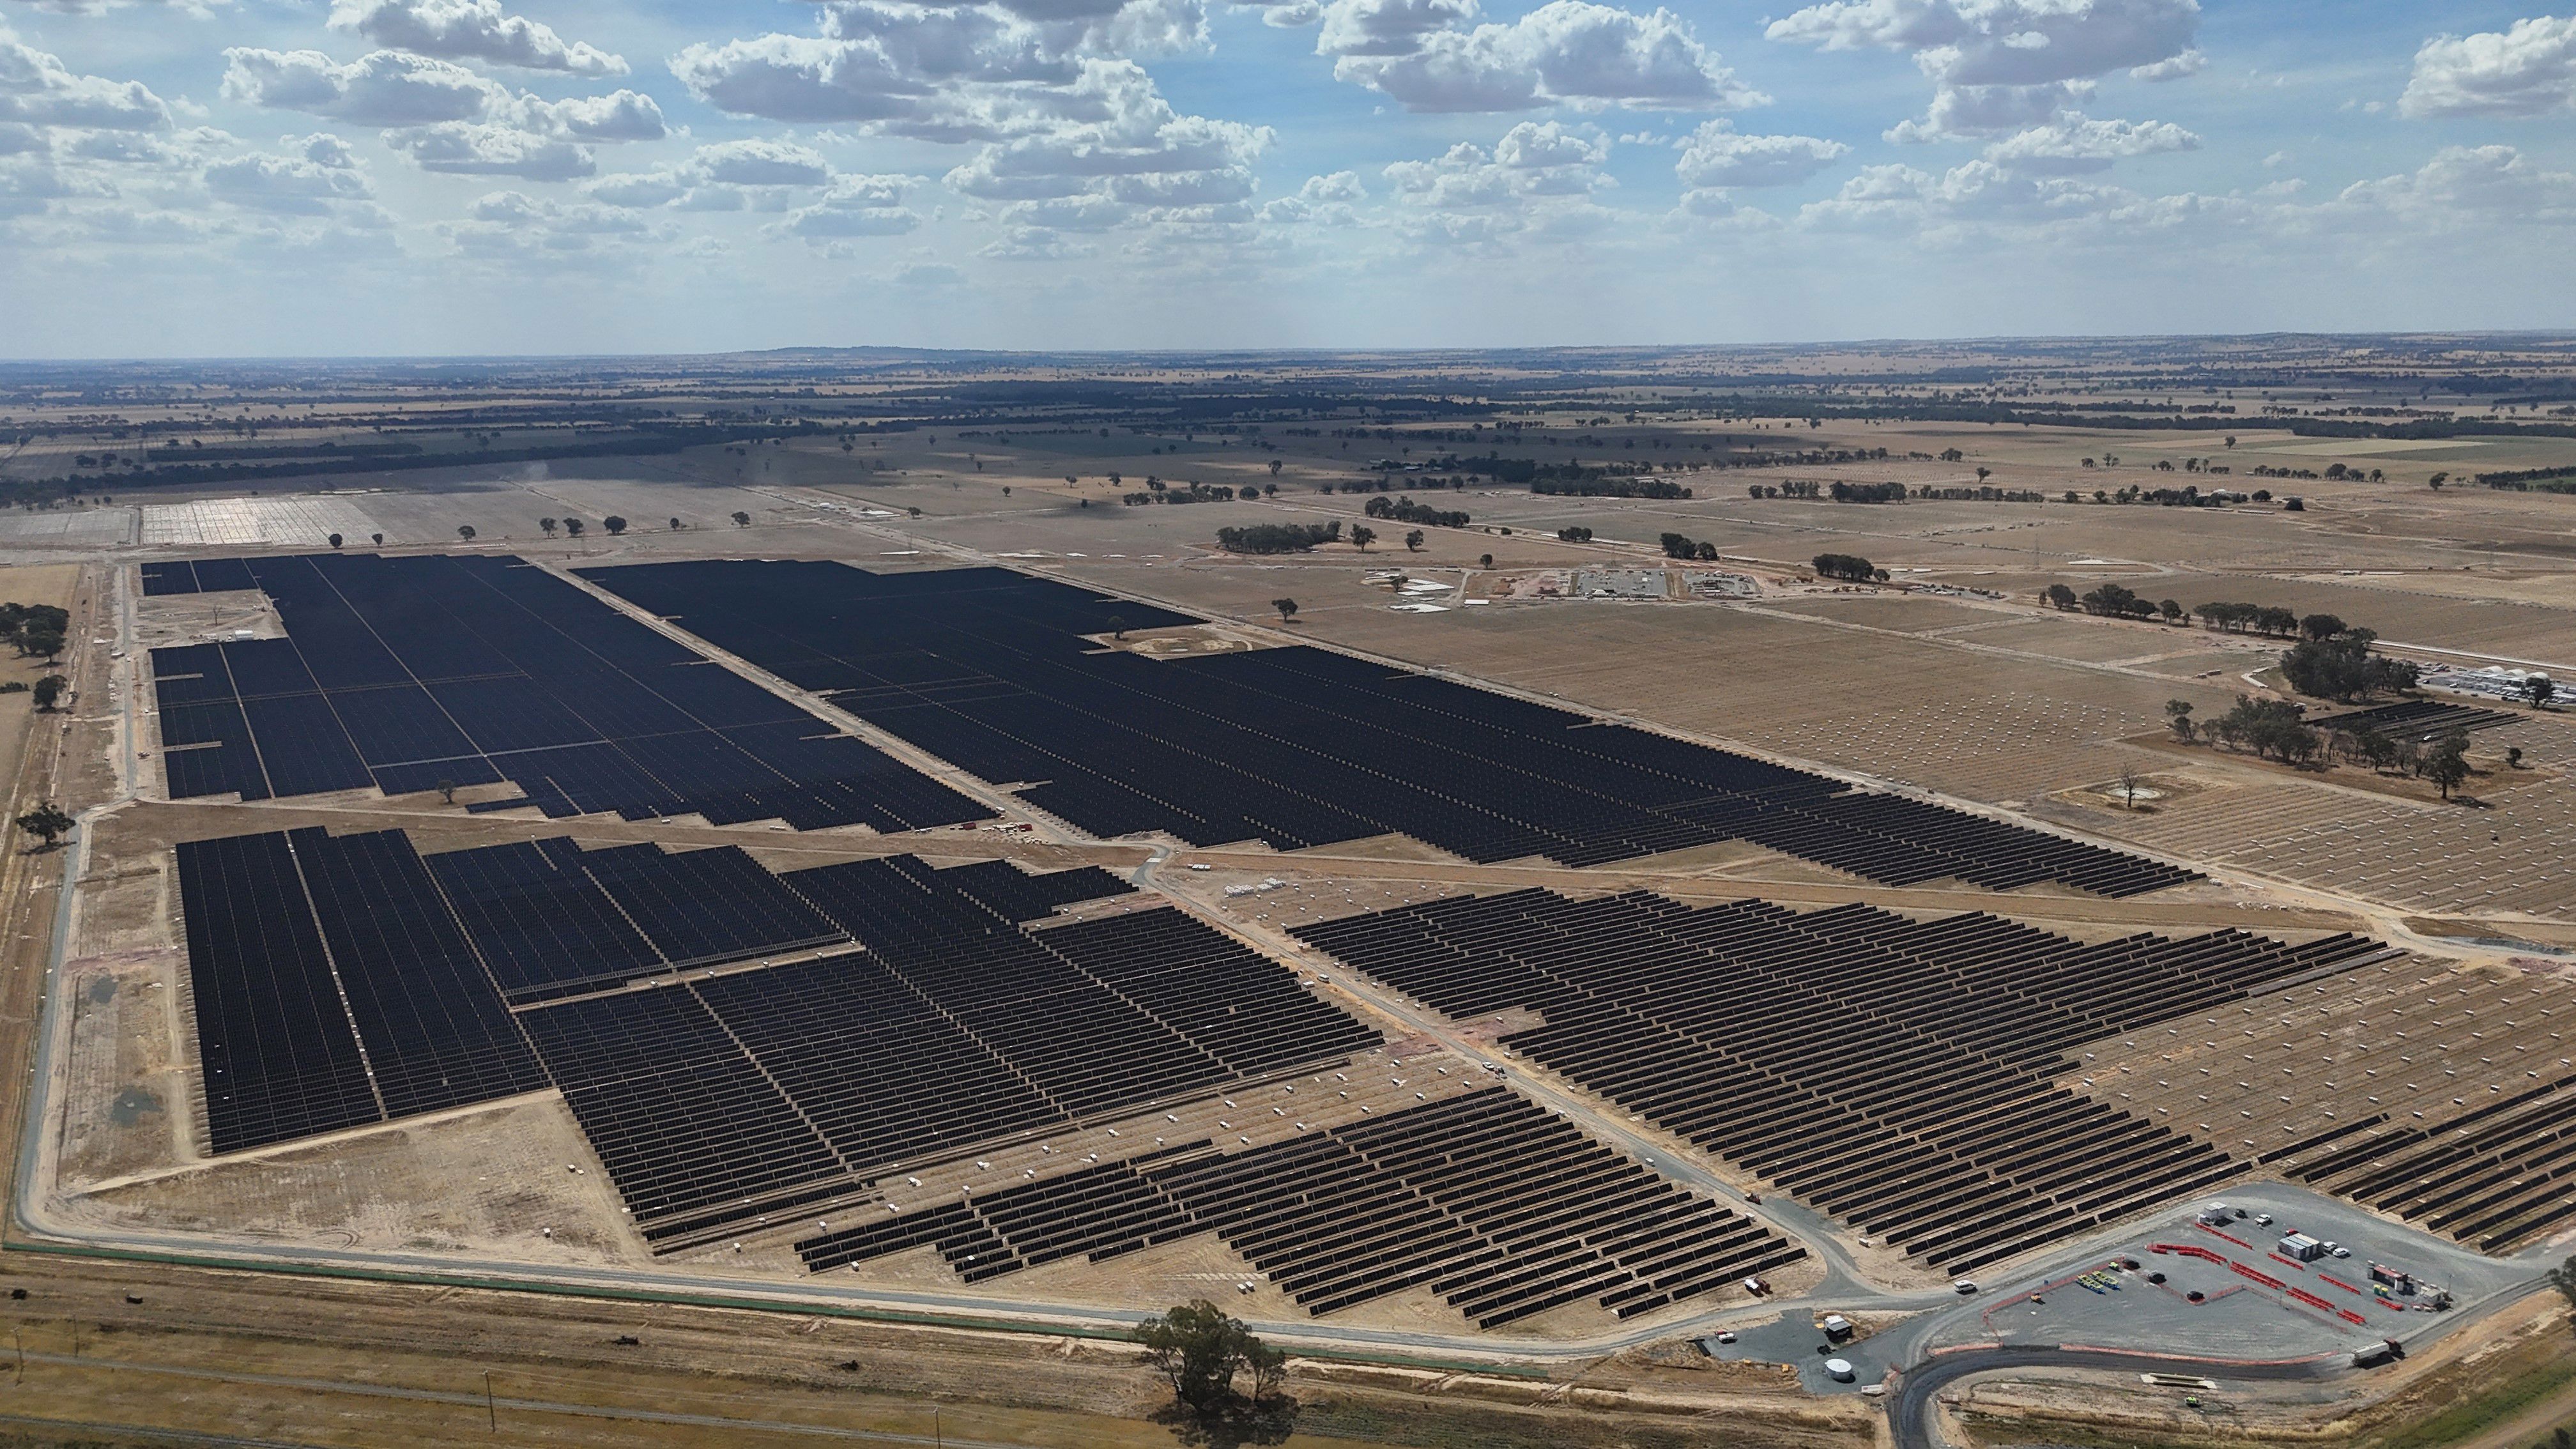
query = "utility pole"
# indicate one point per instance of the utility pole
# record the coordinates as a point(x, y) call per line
point(491, 1415)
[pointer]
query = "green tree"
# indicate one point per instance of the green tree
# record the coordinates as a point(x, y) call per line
point(1274, 467)
point(613, 523)
point(46, 822)
point(1201, 1352)
point(1363, 535)
point(741, 519)
point(447, 791)
point(379, 538)
point(465, 531)
point(335, 540)
point(1484, 560)
point(2447, 763)
point(2562, 1277)
point(49, 691)
point(2178, 715)
point(1117, 626)
point(574, 526)
point(45, 637)
point(1413, 541)
point(2539, 690)
point(548, 525)
point(1287, 609)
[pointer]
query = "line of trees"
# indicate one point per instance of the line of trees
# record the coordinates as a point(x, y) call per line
point(1868, 492)
point(2275, 729)
point(1849, 567)
point(1405, 510)
point(1278, 537)
point(1598, 486)
point(1683, 547)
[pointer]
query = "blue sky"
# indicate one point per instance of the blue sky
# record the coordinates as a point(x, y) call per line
point(241, 177)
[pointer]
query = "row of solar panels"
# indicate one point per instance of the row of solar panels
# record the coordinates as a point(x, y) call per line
point(414, 673)
point(1000, 674)
point(1899, 1073)
point(341, 981)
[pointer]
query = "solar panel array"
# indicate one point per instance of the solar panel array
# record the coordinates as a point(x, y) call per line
point(989, 670)
point(406, 673)
point(2416, 718)
point(333, 990)
point(1501, 1208)
point(2497, 1175)
point(343, 981)
point(1898, 1073)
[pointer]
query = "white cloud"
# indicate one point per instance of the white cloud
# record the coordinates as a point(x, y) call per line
point(1565, 52)
point(469, 30)
point(1716, 156)
point(315, 183)
point(2189, 63)
point(1537, 183)
point(2470, 187)
point(761, 162)
point(2528, 69)
point(2002, 64)
point(446, 117)
point(856, 206)
point(639, 188)
point(384, 88)
point(1323, 200)
point(471, 148)
point(1386, 27)
point(2072, 145)
point(36, 88)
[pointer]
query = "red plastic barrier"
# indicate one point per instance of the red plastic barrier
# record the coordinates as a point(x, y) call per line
point(2339, 1283)
point(2349, 1316)
point(2312, 1300)
point(2266, 1279)
point(2188, 1251)
point(2293, 1262)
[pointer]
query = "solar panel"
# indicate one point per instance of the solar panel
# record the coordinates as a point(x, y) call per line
point(404, 673)
point(436, 1033)
point(475, 974)
point(992, 671)
point(1899, 1073)
point(278, 1052)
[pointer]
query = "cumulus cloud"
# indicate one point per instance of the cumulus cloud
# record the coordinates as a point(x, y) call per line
point(316, 181)
point(384, 88)
point(1717, 156)
point(2072, 145)
point(469, 30)
point(855, 206)
point(2526, 70)
point(1997, 65)
point(1386, 27)
point(1323, 200)
point(761, 162)
point(36, 88)
point(1567, 52)
point(970, 73)
point(1537, 183)
point(1138, 161)
point(472, 148)
point(2471, 186)
point(446, 117)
